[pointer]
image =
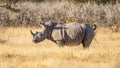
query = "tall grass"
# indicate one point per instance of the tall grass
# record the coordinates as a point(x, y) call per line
point(18, 51)
point(31, 14)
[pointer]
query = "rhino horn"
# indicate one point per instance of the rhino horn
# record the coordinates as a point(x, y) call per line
point(37, 32)
point(32, 32)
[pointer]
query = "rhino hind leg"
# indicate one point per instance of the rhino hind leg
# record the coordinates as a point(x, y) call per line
point(88, 37)
point(86, 43)
point(87, 40)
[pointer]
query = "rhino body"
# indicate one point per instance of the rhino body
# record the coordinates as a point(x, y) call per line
point(66, 34)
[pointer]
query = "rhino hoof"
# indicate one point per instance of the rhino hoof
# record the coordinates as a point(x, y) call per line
point(59, 43)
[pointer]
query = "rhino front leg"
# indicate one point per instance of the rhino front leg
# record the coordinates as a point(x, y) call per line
point(60, 43)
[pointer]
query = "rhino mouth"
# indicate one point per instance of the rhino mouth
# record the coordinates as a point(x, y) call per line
point(37, 41)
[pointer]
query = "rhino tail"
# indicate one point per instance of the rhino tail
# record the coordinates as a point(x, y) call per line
point(94, 27)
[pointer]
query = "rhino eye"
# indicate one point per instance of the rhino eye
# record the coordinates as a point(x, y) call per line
point(39, 35)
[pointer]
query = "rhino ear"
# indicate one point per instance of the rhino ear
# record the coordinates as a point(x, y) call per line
point(43, 25)
point(32, 32)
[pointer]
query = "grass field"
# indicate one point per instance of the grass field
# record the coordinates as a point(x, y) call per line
point(18, 51)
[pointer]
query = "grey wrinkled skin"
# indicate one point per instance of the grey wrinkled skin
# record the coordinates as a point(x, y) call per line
point(65, 34)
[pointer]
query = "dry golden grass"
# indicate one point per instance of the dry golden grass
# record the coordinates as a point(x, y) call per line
point(18, 51)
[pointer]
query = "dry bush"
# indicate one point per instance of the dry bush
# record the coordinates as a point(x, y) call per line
point(32, 14)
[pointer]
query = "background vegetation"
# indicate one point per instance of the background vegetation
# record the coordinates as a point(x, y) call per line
point(79, 1)
point(32, 13)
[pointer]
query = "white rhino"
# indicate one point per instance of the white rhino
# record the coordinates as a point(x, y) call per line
point(64, 34)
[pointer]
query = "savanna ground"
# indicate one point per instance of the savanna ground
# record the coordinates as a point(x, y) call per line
point(18, 51)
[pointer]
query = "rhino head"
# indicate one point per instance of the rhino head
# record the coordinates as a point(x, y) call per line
point(40, 36)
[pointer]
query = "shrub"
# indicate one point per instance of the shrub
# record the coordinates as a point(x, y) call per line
point(65, 12)
point(79, 1)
